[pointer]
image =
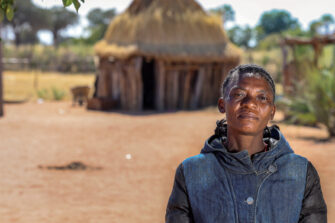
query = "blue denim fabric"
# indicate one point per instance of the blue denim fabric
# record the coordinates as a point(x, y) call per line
point(230, 187)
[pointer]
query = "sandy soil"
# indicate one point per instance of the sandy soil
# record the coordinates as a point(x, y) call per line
point(122, 190)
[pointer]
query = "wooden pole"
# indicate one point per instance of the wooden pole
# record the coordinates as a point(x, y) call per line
point(1, 85)
point(198, 88)
point(174, 89)
point(186, 93)
point(123, 87)
point(139, 83)
point(160, 84)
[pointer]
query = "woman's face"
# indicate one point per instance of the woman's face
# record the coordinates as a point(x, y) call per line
point(248, 104)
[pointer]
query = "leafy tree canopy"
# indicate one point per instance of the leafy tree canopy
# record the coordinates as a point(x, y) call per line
point(7, 7)
point(241, 36)
point(322, 25)
point(276, 21)
point(225, 11)
point(60, 18)
point(98, 22)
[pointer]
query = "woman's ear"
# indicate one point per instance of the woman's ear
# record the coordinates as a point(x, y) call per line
point(273, 112)
point(221, 105)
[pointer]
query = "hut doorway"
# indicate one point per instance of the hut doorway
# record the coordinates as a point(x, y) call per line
point(148, 80)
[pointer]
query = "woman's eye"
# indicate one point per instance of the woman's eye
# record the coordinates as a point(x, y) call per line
point(263, 98)
point(238, 94)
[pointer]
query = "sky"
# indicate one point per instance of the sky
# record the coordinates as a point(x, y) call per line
point(247, 12)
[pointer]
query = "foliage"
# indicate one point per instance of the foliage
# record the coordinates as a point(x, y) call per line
point(57, 94)
point(315, 100)
point(225, 11)
point(60, 18)
point(76, 3)
point(6, 9)
point(98, 22)
point(28, 20)
point(327, 20)
point(322, 95)
point(43, 93)
point(276, 21)
point(298, 111)
point(270, 42)
point(322, 25)
point(241, 36)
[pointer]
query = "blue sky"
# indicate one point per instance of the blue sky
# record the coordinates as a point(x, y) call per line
point(246, 11)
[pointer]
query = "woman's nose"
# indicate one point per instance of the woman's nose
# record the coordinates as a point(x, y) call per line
point(249, 101)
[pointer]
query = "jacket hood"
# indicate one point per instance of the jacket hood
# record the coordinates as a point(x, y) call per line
point(241, 162)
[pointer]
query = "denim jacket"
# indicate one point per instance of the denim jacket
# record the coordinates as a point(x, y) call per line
point(271, 187)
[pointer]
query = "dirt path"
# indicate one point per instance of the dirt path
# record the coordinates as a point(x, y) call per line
point(133, 159)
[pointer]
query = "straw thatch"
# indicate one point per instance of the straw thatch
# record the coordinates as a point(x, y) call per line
point(178, 30)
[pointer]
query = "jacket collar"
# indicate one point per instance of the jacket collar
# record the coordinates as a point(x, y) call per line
point(241, 162)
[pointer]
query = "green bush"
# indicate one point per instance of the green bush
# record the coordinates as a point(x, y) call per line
point(43, 93)
point(57, 94)
point(314, 100)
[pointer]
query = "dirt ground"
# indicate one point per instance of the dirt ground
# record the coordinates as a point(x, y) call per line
point(131, 157)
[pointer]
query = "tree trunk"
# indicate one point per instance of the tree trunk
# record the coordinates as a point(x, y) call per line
point(55, 38)
point(1, 69)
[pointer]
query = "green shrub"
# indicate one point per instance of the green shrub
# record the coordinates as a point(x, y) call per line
point(314, 100)
point(297, 111)
point(43, 93)
point(57, 94)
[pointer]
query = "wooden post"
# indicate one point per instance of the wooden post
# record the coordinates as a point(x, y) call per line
point(160, 84)
point(216, 85)
point(102, 90)
point(198, 88)
point(168, 90)
point(123, 87)
point(1, 84)
point(174, 89)
point(207, 88)
point(130, 85)
point(139, 83)
point(187, 88)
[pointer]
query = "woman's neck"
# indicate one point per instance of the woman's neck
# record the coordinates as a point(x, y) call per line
point(237, 142)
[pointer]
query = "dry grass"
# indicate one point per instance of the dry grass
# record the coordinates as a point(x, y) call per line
point(25, 85)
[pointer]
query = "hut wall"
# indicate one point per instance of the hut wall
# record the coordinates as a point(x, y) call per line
point(177, 85)
point(120, 81)
point(103, 81)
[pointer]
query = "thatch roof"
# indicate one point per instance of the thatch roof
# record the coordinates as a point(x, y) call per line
point(169, 29)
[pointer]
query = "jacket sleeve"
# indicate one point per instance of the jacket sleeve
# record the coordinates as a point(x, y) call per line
point(314, 208)
point(178, 209)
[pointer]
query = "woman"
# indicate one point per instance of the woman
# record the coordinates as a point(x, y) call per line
point(247, 171)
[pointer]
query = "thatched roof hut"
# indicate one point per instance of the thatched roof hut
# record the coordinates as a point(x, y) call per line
point(162, 54)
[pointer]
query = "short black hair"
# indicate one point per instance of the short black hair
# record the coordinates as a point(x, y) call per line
point(253, 69)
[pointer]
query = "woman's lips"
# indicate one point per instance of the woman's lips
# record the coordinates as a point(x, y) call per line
point(247, 116)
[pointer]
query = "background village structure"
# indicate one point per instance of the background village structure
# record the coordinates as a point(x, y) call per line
point(163, 55)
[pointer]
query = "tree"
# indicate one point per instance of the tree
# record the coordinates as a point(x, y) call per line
point(276, 21)
point(241, 36)
point(321, 25)
point(98, 23)
point(7, 10)
point(327, 20)
point(314, 27)
point(225, 11)
point(28, 20)
point(60, 18)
